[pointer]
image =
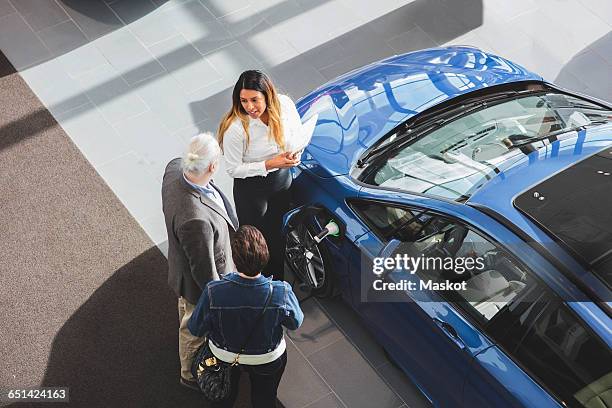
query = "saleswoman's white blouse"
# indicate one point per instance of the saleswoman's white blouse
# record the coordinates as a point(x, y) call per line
point(241, 163)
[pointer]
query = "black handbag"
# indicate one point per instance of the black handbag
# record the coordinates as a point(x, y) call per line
point(214, 377)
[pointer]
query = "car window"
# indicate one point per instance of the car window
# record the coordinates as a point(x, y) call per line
point(556, 347)
point(450, 252)
point(525, 318)
point(388, 221)
point(492, 278)
point(456, 158)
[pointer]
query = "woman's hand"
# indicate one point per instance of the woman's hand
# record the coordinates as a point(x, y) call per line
point(297, 155)
point(282, 161)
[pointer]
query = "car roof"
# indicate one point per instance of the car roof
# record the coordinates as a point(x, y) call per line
point(358, 108)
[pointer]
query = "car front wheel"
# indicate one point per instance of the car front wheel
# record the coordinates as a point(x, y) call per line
point(308, 260)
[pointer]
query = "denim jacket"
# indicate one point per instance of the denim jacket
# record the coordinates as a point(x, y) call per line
point(229, 308)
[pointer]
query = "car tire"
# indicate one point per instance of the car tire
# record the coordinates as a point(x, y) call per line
point(300, 239)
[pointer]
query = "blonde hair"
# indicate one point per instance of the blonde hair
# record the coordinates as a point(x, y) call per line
point(257, 81)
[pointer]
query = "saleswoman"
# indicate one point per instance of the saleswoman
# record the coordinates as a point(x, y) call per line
point(257, 136)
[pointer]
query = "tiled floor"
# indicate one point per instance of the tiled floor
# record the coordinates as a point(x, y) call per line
point(150, 74)
point(332, 358)
point(132, 80)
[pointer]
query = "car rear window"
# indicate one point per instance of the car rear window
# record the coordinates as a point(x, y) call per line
point(575, 207)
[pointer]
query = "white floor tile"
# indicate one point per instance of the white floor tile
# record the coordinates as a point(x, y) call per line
point(306, 27)
point(257, 35)
point(541, 27)
point(170, 104)
point(109, 91)
point(474, 39)
point(185, 134)
point(536, 58)
point(511, 9)
point(231, 61)
point(146, 136)
point(59, 95)
point(185, 63)
point(131, 182)
point(222, 8)
point(154, 28)
point(581, 23)
point(502, 34)
point(369, 10)
point(224, 181)
point(128, 56)
point(82, 60)
point(199, 26)
point(94, 136)
point(155, 227)
point(602, 8)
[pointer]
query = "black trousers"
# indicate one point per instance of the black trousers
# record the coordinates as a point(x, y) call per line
point(262, 201)
point(264, 383)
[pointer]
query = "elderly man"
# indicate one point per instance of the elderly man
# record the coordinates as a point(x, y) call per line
point(199, 220)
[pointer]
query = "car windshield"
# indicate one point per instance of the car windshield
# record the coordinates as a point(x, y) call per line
point(455, 159)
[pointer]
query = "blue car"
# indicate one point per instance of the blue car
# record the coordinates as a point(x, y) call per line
point(463, 207)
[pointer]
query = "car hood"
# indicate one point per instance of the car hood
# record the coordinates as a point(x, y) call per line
point(358, 108)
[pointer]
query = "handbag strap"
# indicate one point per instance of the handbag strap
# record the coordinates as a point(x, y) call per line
point(259, 318)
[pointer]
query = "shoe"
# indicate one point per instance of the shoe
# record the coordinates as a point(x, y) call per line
point(190, 384)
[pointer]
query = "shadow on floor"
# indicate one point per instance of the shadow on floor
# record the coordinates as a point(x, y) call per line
point(590, 69)
point(6, 68)
point(290, 75)
point(295, 78)
point(119, 349)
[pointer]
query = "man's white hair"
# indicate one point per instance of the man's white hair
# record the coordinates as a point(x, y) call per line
point(202, 152)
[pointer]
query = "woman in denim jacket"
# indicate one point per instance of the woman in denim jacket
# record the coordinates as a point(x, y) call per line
point(229, 308)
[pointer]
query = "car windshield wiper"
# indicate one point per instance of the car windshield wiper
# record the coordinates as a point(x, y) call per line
point(374, 153)
point(550, 135)
point(469, 102)
point(412, 134)
point(423, 125)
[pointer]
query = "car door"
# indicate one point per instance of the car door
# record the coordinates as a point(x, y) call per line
point(525, 346)
point(548, 353)
point(426, 335)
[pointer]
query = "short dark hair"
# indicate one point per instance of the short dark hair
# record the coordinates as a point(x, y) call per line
point(249, 250)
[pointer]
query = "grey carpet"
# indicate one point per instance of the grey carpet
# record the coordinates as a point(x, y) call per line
point(84, 301)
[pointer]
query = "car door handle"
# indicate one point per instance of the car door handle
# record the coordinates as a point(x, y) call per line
point(450, 332)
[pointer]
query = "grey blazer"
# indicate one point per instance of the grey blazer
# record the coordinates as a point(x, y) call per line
point(198, 235)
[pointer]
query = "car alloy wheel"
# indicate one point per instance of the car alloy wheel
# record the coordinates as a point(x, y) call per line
point(306, 259)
